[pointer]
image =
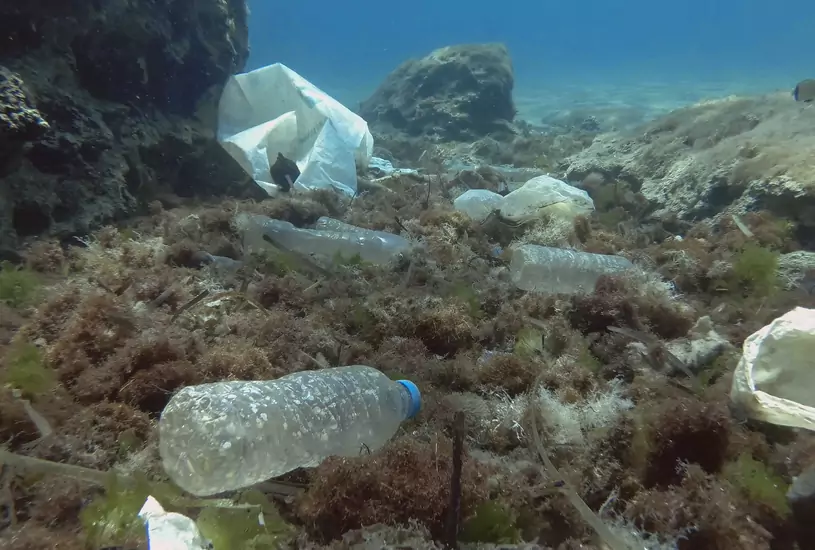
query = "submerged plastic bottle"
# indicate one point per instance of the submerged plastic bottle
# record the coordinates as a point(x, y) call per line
point(478, 204)
point(330, 237)
point(228, 435)
point(560, 271)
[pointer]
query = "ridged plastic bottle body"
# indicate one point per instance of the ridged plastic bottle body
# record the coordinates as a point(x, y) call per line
point(372, 246)
point(228, 435)
point(333, 224)
point(561, 271)
point(332, 238)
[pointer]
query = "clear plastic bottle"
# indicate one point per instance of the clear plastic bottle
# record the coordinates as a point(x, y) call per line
point(561, 271)
point(478, 204)
point(333, 224)
point(228, 435)
point(330, 237)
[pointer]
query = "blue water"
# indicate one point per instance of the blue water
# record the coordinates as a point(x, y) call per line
point(629, 52)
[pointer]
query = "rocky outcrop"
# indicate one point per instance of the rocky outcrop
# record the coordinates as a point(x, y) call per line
point(456, 93)
point(106, 105)
point(734, 153)
point(20, 121)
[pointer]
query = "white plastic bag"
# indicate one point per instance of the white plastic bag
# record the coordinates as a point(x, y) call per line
point(274, 110)
point(545, 196)
point(775, 378)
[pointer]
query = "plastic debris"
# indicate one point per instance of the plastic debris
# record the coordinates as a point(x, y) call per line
point(478, 204)
point(545, 196)
point(560, 271)
point(229, 435)
point(329, 239)
point(701, 347)
point(169, 530)
point(380, 168)
point(774, 381)
point(273, 110)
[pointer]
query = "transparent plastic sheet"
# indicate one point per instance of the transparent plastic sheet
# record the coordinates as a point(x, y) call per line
point(274, 110)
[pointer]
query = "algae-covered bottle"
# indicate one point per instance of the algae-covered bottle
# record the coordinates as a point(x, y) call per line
point(560, 271)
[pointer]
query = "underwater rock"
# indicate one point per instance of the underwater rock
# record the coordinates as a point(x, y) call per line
point(797, 270)
point(741, 153)
point(456, 93)
point(130, 92)
point(20, 121)
point(284, 172)
point(551, 270)
point(702, 346)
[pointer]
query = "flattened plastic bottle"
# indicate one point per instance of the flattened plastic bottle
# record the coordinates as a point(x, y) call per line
point(229, 435)
point(561, 271)
point(331, 237)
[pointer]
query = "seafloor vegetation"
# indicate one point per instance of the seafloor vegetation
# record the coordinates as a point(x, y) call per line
point(95, 337)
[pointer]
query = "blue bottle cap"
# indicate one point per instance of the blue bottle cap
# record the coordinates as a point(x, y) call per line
point(415, 397)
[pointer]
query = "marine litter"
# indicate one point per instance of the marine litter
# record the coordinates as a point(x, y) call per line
point(575, 347)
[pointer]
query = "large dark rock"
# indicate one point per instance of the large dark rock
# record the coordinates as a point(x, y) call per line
point(107, 104)
point(456, 93)
point(20, 121)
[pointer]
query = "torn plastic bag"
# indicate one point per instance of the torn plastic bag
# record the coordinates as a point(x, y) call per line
point(274, 110)
point(775, 380)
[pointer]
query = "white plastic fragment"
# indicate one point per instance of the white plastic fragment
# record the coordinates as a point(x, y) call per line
point(169, 530)
point(380, 167)
point(775, 379)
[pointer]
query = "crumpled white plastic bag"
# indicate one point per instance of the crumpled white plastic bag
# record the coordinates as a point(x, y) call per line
point(545, 196)
point(775, 379)
point(274, 110)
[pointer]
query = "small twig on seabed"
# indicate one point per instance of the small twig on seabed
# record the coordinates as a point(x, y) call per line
point(454, 508)
point(189, 305)
point(603, 531)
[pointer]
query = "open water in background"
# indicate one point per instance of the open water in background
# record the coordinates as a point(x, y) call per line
point(638, 54)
